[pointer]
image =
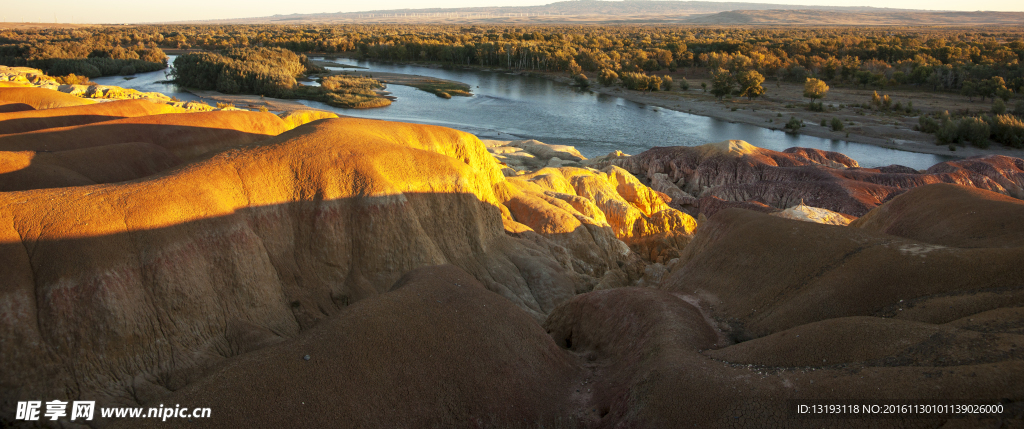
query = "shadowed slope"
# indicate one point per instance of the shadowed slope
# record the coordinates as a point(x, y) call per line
point(40, 98)
point(14, 107)
point(950, 215)
point(166, 272)
point(653, 360)
point(20, 171)
point(763, 274)
point(32, 120)
point(820, 312)
point(459, 356)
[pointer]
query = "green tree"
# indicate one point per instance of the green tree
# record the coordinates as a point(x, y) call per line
point(999, 106)
point(969, 89)
point(750, 84)
point(721, 83)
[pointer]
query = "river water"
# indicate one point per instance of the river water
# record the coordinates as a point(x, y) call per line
point(512, 106)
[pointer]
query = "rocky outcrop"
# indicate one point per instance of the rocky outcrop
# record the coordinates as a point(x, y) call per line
point(113, 93)
point(814, 214)
point(522, 155)
point(735, 171)
point(611, 204)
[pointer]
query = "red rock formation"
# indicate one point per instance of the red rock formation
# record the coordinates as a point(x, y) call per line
point(737, 172)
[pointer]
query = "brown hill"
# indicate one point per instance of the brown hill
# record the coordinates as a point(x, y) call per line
point(793, 273)
point(458, 356)
point(667, 12)
point(846, 18)
point(949, 215)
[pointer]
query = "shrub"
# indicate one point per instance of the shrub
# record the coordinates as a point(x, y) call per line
point(824, 123)
point(581, 80)
point(999, 106)
point(794, 124)
point(666, 83)
point(947, 133)
point(974, 130)
point(607, 77)
point(347, 83)
point(1008, 130)
point(684, 84)
point(927, 124)
point(640, 81)
point(73, 79)
point(837, 124)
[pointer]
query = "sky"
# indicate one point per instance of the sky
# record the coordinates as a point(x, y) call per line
point(139, 11)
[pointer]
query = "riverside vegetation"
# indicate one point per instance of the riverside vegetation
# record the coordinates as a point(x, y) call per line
point(972, 62)
point(272, 72)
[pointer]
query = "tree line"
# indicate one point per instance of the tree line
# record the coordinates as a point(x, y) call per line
point(936, 58)
point(90, 52)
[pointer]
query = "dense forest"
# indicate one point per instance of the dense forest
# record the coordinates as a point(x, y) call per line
point(90, 52)
point(942, 59)
point(938, 58)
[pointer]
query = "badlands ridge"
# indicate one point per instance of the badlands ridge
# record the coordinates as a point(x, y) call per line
point(316, 271)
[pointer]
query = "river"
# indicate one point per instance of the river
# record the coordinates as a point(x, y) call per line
point(513, 106)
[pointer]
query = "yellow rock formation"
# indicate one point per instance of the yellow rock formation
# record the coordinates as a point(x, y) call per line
point(559, 200)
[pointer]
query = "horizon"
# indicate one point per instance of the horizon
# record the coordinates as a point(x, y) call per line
point(121, 11)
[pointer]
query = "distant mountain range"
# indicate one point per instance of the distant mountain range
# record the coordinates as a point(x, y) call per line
point(650, 12)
